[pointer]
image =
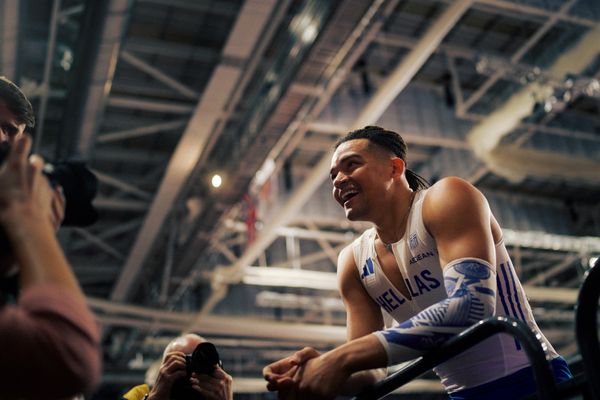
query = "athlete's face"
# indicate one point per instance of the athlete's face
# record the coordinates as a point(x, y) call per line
point(359, 174)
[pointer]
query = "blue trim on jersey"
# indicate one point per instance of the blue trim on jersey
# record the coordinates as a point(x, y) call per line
point(512, 278)
point(501, 294)
point(508, 292)
point(509, 295)
point(515, 386)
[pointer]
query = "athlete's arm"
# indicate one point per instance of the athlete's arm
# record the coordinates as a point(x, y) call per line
point(458, 218)
point(363, 316)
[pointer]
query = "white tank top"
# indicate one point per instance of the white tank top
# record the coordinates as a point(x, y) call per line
point(417, 258)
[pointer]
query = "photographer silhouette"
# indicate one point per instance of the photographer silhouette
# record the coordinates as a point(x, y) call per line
point(50, 334)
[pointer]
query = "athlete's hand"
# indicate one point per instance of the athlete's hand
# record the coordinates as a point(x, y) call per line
point(320, 378)
point(172, 369)
point(280, 374)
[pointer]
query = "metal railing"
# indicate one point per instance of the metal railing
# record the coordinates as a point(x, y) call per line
point(586, 328)
point(541, 368)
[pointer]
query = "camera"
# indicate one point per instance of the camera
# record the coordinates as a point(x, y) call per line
point(79, 186)
point(203, 360)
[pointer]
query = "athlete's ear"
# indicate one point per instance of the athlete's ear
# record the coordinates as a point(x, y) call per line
point(398, 167)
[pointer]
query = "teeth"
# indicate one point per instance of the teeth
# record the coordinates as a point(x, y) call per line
point(347, 194)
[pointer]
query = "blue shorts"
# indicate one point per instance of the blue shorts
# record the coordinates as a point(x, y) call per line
point(515, 386)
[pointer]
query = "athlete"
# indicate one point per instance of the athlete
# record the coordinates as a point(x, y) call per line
point(435, 262)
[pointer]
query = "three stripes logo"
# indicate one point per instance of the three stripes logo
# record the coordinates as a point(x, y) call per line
point(368, 268)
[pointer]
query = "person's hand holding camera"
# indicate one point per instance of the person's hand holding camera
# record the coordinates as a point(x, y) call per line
point(171, 370)
point(216, 386)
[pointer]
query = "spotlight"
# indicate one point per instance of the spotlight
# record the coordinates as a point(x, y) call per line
point(309, 34)
point(216, 181)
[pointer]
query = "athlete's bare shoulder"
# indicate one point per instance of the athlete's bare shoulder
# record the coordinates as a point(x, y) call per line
point(452, 200)
point(449, 194)
point(451, 186)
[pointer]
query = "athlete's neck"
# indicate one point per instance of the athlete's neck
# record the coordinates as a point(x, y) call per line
point(392, 225)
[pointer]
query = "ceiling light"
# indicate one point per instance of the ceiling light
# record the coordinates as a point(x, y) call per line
point(216, 181)
point(309, 34)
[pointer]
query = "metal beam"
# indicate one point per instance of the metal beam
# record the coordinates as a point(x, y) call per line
point(122, 185)
point(410, 138)
point(220, 247)
point(242, 40)
point(338, 69)
point(145, 318)
point(301, 233)
point(319, 303)
point(71, 11)
point(216, 8)
point(552, 242)
point(101, 244)
point(169, 107)
point(396, 82)
point(514, 163)
point(170, 49)
point(555, 270)
point(160, 76)
point(331, 253)
point(520, 9)
point(517, 56)
point(103, 27)
point(45, 84)
point(9, 35)
point(308, 258)
point(107, 137)
point(105, 203)
point(108, 233)
point(130, 155)
point(286, 277)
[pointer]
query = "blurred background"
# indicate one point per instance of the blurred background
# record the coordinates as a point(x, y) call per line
point(210, 126)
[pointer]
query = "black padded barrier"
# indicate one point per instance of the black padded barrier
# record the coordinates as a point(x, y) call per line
point(586, 328)
point(541, 368)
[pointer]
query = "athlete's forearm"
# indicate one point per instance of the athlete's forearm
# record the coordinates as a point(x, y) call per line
point(360, 380)
point(471, 287)
point(360, 354)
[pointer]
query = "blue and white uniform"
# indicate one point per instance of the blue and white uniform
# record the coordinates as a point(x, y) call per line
point(417, 258)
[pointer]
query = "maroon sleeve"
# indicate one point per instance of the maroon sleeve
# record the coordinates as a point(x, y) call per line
point(49, 345)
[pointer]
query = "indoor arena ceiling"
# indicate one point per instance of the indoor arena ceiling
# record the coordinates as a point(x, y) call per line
point(158, 96)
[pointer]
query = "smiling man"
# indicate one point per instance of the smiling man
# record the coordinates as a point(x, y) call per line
point(435, 261)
